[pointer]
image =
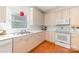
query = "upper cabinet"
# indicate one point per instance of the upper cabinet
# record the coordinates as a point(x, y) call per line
point(74, 16)
point(58, 15)
point(65, 13)
point(37, 17)
point(2, 14)
point(50, 18)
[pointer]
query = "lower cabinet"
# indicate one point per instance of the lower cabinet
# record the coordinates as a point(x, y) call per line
point(6, 46)
point(50, 36)
point(19, 44)
point(35, 40)
point(27, 43)
point(75, 41)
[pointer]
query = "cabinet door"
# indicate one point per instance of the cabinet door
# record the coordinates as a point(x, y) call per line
point(50, 18)
point(2, 13)
point(6, 46)
point(74, 16)
point(75, 41)
point(19, 44)
point(38, 17)
point(27, 43)
point(50, 36)
point(65, 13)
point(40, 36)
point(58, 15)
point(35, 40)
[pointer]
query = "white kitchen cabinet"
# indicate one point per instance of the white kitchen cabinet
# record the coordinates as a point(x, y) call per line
point(50, 19)
point(2, 14)
point(74, 16)
point(36, 17)
point(27, 43)
point(75, 41)
point(6, 46)
point(35, 40)
point(65, 13)
point(50, 36)
point(58, 15)
point(20, 44)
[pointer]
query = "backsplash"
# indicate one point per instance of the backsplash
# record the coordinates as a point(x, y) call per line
point(42, 27)
point(35, 27)
point(51, 28)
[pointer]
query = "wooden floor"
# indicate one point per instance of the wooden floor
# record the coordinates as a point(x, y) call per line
point(48, 47)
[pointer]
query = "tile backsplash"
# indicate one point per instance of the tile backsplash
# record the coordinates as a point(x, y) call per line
point(40, 27)
point(35, 27)
point(51, 28)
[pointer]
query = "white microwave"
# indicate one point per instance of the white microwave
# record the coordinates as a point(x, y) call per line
point(63, 22)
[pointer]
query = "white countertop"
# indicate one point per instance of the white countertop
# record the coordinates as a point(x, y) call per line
point(10, 36)
point(35, 31)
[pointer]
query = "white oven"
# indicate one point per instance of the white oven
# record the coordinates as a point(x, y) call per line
point(63, 36)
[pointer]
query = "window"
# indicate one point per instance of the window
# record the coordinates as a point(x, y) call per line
point(19, 21)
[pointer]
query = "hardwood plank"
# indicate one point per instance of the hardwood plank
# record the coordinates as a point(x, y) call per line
point(48, 47)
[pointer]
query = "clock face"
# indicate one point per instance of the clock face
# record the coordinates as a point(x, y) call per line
point(21, 13)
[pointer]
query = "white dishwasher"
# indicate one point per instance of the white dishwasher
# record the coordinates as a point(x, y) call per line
point(6, 46)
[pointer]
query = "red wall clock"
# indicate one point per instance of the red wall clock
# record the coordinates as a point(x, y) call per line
point(21, 13)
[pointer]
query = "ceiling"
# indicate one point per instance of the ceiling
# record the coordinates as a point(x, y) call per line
point(46, 8)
